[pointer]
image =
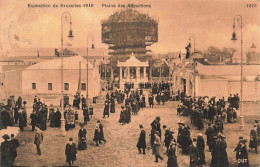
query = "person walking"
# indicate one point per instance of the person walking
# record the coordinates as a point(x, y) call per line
point(82, 137)
point(194, 154)
point(86, 114)
point(253, 144)
point(38, 139)
point(201, 148)
point(6, 151)
point(71, 152)
point(156, 147)
point(14, 145)
point(141, 140)
point(172, 158)
point(241, 153)
point(34, 120)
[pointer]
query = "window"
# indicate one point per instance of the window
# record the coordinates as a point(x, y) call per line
point(66, 86)
point(33, 85)
point(49, 86)
point(83, 86)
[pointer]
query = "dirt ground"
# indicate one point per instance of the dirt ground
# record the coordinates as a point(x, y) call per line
point(120, 149)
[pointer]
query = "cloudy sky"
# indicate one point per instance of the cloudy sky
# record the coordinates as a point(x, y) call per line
point(210, 20)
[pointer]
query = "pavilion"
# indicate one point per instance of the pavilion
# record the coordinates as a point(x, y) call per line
point(133, 71)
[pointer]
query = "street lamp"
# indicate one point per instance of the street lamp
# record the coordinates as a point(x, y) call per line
point(63, 132)
point(87, 60)
point(234, 38)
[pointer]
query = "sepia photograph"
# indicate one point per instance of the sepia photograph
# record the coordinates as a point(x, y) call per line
point(130, 83)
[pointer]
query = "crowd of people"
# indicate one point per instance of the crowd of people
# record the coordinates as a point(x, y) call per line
point(201, 111)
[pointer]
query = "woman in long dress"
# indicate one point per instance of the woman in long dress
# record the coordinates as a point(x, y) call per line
point(172, 158)
point(82, 137)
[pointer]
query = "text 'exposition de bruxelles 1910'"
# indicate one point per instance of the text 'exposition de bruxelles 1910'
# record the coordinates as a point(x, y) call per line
point(88, 5)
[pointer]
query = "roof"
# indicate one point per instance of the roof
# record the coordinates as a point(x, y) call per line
point(50, 52)
point(69, 63)
point(253, 46)
point(132, 62)
point(222, 70)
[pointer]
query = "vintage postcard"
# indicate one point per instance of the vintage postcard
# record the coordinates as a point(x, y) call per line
point(127, 83)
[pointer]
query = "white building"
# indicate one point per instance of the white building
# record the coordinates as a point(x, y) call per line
point(45, 78)
point(218, 80)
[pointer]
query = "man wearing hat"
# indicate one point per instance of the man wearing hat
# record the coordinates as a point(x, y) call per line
point(71, 152)
point(156, 125)
point(222, 146)
point(241, 153)
point(210, 133)
point(141, 140)
point(201, 148)
point(86, 114)
point(168, 136)
point(38, 139)
point(253, 144)
point(6, 151)
point(14, 145)
point(194, 153)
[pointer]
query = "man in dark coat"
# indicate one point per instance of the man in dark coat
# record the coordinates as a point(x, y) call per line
point(156, 125)
point(6, 151)
point(253, 144)
point(168, 137)
point(57, 117)
point(241, 153)
point(52, 118)
point(201, 148)
point(143, 101)
point(101, 132)
point(19, 102)
point(34, 120)
point(151, 100)
point(106, 109)
point(43, 125)
point(14, 145)
point(91, 110)
point(4, 115)
point(21, 121)
point(223, 161)
point(141, 141)
point(194, 154)
point(71, 152)
point(86, 114)
point(186, 140)
point(83, 102)
point(210, 133)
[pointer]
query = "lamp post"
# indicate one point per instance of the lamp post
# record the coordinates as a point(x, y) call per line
point(63, 132)
point(234, 38)
point(87, 63)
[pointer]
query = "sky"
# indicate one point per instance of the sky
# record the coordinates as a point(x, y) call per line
point(210, 20)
